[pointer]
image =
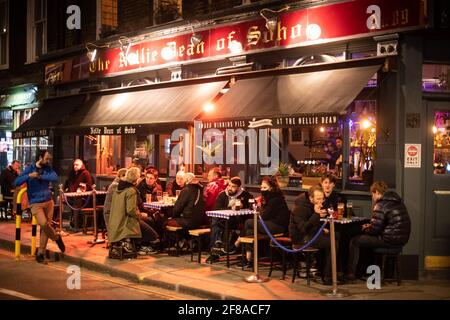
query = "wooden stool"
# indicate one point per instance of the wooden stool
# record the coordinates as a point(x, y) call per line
point(250, 239)
point(89, 213)
point(196, 235)
point(177, 231)
point(308, 253)
point(285, 241)
point(393, 253)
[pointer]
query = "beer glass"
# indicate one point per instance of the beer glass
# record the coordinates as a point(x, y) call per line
point(177, 193)
point(159, 196)
point(340, 208)
point(166, 197)
point(148, 197)
point(238, 204)
point(349, 210)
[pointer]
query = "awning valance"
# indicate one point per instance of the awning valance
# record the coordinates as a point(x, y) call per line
point(52, 113)
point(307, 98)
point(150, 110)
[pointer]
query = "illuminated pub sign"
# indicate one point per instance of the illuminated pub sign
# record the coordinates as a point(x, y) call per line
point(304, 120)
point(298, 28)
point(30, 133)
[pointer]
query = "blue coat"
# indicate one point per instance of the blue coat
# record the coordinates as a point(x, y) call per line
point(38, 189)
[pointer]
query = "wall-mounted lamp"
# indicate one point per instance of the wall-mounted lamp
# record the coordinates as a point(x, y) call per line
point(91, 52)
point(196, 38)
point(125, 45)
point(271, 17)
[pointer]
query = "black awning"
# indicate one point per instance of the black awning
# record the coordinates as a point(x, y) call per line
point(147, 110)
point(52, 113)
point(315, 97)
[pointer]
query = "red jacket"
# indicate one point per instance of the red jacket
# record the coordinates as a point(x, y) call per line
point(212, 191)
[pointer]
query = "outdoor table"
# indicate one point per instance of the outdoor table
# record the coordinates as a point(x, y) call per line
point(347, 228)
point(227, 214)
point(158, 205)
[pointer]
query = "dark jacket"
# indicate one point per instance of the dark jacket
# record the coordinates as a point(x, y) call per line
point(275, 209)
point(143, 188)
point(7, 181)
point(304, 222)
point(172, 188)
point(332, 200)
point(77, 177)
point(224, 200)
point(190, 206)
point(390, 220)
point(38, 189)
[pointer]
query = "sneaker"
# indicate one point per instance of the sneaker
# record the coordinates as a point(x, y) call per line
point(60, 244)
point(144, 251)
point(213, 258)
point(40, 258)
point(231, 249)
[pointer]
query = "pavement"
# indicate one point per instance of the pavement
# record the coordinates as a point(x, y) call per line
point(180, 275)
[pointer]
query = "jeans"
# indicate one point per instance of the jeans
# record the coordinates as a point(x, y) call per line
point(365, 241)
point(44, 215)
point(218, 228)
point(148, 233)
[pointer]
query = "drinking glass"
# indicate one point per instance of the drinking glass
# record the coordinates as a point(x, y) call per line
point(349, 210)
point(340, 208)
point(148, 198)
point(177, 193)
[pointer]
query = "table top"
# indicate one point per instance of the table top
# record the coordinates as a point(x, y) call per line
point(83, 194)
point(158, 205)
point(352, 220)
point(227, 214)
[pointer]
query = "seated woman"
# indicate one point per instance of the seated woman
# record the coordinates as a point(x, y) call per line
point(190, 206)
point(273, 210)
point(124, 215)
point(178, 184)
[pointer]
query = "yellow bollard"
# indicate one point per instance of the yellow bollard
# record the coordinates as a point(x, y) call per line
point(18, 222)
point(33, 235)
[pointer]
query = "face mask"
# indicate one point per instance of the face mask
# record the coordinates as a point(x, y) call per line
point(265, 193)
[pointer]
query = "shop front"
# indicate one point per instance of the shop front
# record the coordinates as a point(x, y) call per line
point(18, 105)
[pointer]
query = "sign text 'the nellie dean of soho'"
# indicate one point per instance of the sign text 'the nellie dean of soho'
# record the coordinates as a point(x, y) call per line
point(297, 28)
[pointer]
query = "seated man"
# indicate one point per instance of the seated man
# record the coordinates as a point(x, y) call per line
point(227, 200)
point(190, 206)
point(332, 198)
point(389, 227)
point(305, 223)
point(149, 185)
point(177, 185)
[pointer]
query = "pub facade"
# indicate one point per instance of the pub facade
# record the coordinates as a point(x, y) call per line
point(355, 88)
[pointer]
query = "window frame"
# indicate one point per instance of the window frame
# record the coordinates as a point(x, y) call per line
point(32, 54)
point(6, 33)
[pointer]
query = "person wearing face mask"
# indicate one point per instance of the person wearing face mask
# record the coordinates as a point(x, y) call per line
point(305, 223)
point(227, 200)
point(38, 177)
point(273, 210)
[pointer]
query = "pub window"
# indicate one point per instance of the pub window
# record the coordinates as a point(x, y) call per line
point(312, 152)
point(362, 124)
point(167, 10)
point(441, 131)
point(4, 30)
point(435, 77)
point(108, 16)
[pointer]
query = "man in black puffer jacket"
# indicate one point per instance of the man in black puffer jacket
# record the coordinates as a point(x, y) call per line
point(389, 227)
